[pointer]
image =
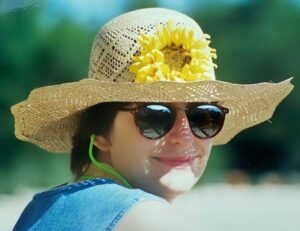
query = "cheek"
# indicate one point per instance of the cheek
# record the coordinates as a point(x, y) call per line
point(204, 146)
point(129, 150)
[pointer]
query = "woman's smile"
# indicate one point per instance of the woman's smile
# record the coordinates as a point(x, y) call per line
point(183, 161)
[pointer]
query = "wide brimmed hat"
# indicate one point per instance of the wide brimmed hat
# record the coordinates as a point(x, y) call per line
point(147, 55)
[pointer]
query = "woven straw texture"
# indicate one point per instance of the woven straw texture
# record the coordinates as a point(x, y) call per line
point(50, 115)
point(117, 41)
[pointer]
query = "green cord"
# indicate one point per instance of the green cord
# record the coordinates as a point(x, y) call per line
point(110, 170)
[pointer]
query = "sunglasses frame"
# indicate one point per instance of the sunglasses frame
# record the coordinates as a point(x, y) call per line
point(192, 106)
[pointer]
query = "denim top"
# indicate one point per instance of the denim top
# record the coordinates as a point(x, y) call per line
point(96, 204)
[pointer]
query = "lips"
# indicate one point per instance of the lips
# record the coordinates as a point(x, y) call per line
point(177, 161)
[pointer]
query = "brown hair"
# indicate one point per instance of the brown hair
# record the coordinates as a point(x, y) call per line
point(97, 120)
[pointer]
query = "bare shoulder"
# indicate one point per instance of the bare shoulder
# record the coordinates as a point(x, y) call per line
point(155, 215)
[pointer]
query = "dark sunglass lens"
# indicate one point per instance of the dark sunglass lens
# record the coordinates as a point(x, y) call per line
point(154, 120)
point(206, 120)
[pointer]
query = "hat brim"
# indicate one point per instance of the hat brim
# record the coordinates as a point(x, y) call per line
point(50, 115)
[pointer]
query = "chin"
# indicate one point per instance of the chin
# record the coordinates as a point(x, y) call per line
point(173, 185)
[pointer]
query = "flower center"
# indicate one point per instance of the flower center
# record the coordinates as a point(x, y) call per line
point(176, 57)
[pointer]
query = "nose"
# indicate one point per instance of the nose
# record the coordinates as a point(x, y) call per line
point(181, 132)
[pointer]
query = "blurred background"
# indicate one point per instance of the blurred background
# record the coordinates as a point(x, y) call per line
point(47, 42)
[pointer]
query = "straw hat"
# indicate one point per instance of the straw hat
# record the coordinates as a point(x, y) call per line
point(147, 55)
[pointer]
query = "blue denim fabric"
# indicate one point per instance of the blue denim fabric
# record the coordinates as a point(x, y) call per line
point(96, 204)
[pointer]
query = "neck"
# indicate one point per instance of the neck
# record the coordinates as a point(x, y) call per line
point(93, 171)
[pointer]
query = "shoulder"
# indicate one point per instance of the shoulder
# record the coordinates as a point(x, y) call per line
point(96, 194)
point(105, 190)
point(97, 204)
point(155, 215)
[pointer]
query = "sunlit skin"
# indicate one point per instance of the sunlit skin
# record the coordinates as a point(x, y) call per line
point(146, 163)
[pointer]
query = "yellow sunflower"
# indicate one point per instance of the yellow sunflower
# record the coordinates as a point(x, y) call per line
point(173, 54)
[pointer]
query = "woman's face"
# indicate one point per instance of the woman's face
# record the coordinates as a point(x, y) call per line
point(168, 166)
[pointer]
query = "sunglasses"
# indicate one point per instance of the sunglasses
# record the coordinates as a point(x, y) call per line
point(156, 120)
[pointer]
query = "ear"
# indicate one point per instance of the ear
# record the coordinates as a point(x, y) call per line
point(102, 143)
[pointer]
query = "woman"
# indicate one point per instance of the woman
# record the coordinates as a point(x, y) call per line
point(140, 128)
